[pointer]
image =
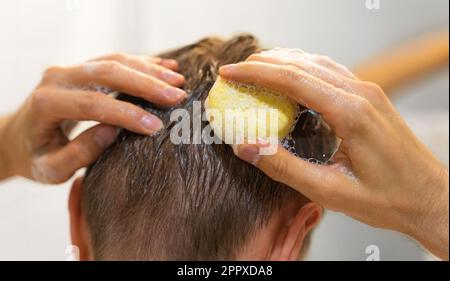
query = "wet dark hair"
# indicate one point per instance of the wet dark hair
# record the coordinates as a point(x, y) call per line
point(147, 198)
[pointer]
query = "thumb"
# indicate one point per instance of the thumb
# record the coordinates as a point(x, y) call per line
point(319, 183)
point(79, 153)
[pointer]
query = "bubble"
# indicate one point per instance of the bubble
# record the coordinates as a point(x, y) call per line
point(289, 144)
point(310, 138)
point(252, 89)
point(315, 161)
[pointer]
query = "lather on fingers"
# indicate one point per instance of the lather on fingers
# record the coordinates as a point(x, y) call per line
point(327, 70)
point(333, 103)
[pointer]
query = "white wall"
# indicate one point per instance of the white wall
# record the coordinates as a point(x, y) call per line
point(36, 34)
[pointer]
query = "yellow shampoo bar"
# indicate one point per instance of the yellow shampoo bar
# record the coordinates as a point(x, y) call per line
point(239, 112)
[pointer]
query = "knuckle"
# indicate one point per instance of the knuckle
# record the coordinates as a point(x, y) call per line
point(328, 62)
point(293, 73)
point(362, 112)
point(89, 104)
point(119, 56)
point(80, 154)
point(156, 69)
point(53, 70)
point(40, 98)
point(374, 87)
point(323, 59)
point(113, 57)
point(51, 73)
point(373, 92)
point(255, 57)
point(362, 106)
point(107, 68)
point(279, 169)
point(154, 60)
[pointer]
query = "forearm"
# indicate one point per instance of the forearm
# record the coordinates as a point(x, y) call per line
point(6, 170)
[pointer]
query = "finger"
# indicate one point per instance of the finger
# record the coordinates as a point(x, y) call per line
point(58, 105)
point(148, 67)
point(303, 88)
point(324, 61)
point(319, 183)
point(367, 90)
point(348, 115)
point(79, 153)
point(121, 78)
point(332, 65)
point(169, 63)
point(316, 70)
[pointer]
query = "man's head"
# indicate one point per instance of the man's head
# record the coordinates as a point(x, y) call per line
point(149, 199)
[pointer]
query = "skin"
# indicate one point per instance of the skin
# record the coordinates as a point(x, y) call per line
point(281, 239)
point(34, 142)
point(382, 174)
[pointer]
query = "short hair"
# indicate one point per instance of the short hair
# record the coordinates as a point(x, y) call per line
point(146, 198)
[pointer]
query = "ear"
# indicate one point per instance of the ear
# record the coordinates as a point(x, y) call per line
point(78, 228)
point(297, 225)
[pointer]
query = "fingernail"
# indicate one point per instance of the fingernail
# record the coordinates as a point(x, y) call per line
point(248, 153)
point(175, 93)
point(263, 142)
point(105, 136)
point(267, 146)
point(226, 68)
point(151, 123)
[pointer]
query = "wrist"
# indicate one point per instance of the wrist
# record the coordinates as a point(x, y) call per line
point(6, 164)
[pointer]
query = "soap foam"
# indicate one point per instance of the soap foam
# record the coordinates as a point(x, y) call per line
point(290, 142)
point(297, 56)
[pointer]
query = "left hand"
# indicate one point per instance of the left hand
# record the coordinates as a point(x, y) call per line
point(34, 141)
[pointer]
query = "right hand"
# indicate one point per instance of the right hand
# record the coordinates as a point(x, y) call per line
point(383, 175)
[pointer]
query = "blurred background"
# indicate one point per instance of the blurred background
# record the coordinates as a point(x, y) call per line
point(38, 34)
